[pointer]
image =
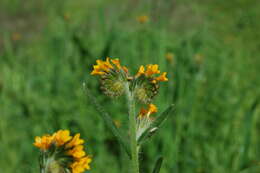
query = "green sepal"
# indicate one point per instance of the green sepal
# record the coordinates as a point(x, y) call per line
point(155, 125)
point(158, 165)
point(108, 121)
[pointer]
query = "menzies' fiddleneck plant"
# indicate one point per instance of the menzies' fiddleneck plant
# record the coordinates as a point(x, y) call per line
point(115, 81)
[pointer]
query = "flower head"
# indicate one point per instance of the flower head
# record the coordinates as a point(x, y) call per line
point(113, 75)
point(61, 151)
point(147, 80)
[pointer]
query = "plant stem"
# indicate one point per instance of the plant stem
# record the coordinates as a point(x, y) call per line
point(132, 130)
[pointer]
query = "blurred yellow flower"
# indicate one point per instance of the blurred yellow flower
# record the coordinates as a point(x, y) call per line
point(142, 19)
point(69, 151)
point(140, 71)
point(169, 57)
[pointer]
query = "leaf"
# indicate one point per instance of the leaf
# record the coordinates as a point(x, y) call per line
point(158, 165)
point(254, 169)
point(155, 125)
point(108, 121)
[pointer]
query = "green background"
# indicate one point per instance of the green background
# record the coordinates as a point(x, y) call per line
point(47, 49)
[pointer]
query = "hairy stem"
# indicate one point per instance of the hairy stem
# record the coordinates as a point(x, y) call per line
point(132, 130)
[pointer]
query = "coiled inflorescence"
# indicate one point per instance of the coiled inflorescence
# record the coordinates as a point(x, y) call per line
point(144, 84)
point(61, 152)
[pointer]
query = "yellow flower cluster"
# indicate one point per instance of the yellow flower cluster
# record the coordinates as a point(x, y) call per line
point(104, 67)
point(147, 112)
point(72, 145)
point(152, 69)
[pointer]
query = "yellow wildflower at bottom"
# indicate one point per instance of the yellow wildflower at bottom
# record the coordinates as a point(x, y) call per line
point(80, 165)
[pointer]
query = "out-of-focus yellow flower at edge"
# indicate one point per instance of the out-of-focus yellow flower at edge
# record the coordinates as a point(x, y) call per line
point(142, 19)
point(73, 148)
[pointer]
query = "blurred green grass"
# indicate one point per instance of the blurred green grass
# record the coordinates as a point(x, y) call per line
point(47, 49)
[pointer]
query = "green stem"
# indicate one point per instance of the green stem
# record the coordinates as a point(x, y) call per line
point(132, 130)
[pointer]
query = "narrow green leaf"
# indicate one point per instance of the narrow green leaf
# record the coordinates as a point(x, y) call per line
point(158, 165)
point(254, 169)
point(155, 125)
point(248, 123)
point(108, 121)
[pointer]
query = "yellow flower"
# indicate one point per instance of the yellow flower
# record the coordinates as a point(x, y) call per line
point(61, 137)
point(140, 71)
point(80, 165)
point(116, 62)
point(75, 141)
point(77, 151)
point(69, 152)
point(169, 56)
point(162, 77)
point(104, 67)
point(142, 19)
point(151, 109)
point(152, 69)
point(43, 142)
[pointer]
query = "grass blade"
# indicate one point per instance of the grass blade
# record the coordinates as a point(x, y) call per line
point(158, 165)
point(108, 121)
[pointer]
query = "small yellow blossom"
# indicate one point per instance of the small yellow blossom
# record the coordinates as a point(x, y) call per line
point(104, 67)
point(162, 77)
point(142, 19)
point(152, 69)
point(140, 71)
point(169, 56)
point(151, 109)
point(43, 142)
point(75, 141)
point(77, 151)
point(80, 165)
point(61, 137)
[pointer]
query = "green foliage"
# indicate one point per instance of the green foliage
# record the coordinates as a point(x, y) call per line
point(47, 50)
